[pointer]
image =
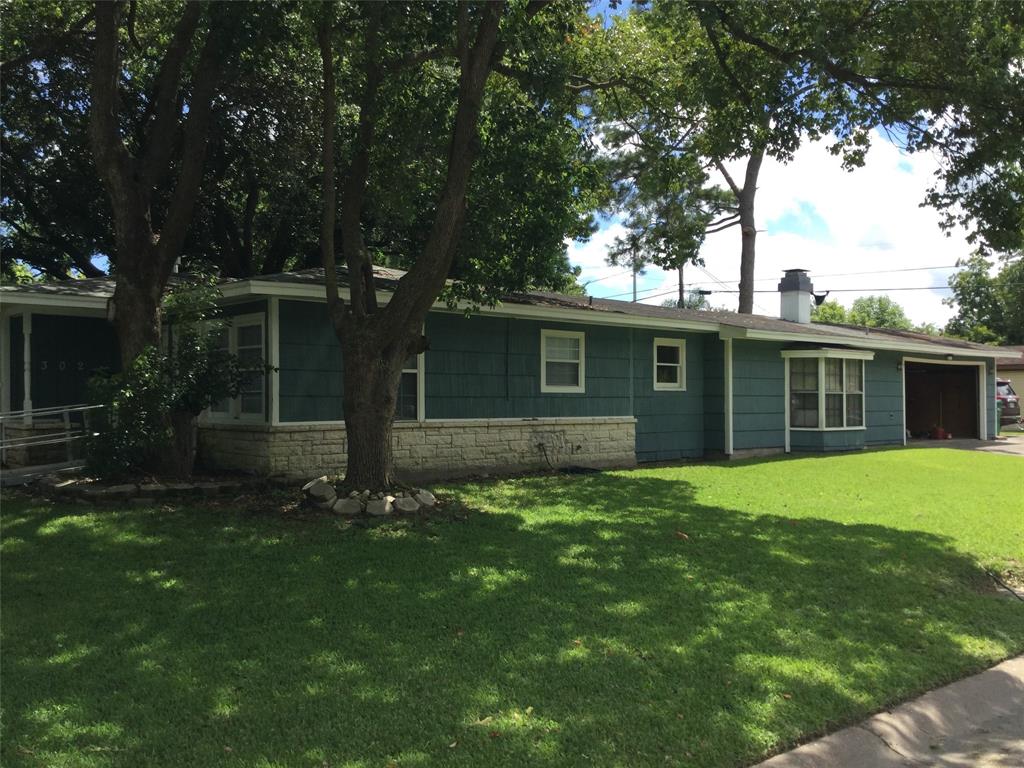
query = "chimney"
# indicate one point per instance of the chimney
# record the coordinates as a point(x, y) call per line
point(797, 294)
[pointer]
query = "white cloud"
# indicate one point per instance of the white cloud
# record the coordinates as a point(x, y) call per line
point(874, 222)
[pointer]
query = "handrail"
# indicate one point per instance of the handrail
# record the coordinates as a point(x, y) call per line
point(48, 411)
point(44, 434)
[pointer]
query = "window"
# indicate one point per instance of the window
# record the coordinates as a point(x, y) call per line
point(407, 407)
point(669, 364)
point(562, 358)
point(803, 393)
point(244, 338)
point(826, 389)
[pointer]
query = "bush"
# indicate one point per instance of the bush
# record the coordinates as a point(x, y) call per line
point(149, 421)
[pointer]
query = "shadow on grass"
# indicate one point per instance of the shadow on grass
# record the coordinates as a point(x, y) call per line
point(577, 621)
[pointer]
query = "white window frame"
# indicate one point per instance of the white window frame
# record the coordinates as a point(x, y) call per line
point(421, 396)
point(846, 355)
point(580, 387)
point(234, 412)
point(680, 384)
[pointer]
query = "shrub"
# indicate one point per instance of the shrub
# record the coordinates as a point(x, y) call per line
point(149, 422)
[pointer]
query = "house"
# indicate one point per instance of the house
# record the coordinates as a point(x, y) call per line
point(540, 380)
point(1011, 366)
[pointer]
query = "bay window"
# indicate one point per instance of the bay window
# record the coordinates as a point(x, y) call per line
point(825, 388)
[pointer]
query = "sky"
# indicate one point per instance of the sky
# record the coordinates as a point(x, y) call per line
point(811, 214)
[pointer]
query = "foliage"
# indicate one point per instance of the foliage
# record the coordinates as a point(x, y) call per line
point(869, 312)
point(695, 299)
point(989, 308)
point(830, 312)
point(809, 594)
point(878, 312)
point(138, 427)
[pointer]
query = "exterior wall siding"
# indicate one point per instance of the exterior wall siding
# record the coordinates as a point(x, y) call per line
point(759, 419)
point(670, 423)
point(883, 399)
point(714, 395)
point(424, 449)
point(826, 440)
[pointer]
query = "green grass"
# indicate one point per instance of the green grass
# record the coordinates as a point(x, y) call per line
point(703, 615)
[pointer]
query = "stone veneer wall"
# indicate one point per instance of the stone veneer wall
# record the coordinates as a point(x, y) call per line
point(425, 449)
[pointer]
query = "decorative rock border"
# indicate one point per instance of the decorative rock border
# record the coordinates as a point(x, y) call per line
point(96, 492)
point(322, 494)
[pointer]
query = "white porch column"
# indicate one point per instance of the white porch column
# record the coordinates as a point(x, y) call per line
point(26, 340)
point(5, 361)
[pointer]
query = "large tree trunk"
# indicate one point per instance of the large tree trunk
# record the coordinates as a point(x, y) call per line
point(748, 230)
point(372, 377)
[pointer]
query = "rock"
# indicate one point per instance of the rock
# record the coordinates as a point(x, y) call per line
point(151, 488)
point(379, 507)
point(110, 492)
point(348, 507)
point(321, 492)
point(353, 495)
point(406, 504)
point(426, 498)
point(181, 489)
point(208, 488)
point(311, 483)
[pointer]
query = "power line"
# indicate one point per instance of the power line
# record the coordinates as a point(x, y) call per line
point(606, 277)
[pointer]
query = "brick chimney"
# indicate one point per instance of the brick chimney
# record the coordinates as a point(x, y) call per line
point(797, 293)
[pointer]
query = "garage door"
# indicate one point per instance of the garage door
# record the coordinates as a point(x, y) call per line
point(944, 396)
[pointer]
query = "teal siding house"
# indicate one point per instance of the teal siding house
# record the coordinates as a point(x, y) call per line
point(539, 381)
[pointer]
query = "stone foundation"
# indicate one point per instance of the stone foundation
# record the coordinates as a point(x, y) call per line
point(426, 449)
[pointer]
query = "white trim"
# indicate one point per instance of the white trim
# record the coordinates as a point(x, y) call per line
point(680, 344)
point(903, 397)
point(785, 410)
point(274, 357)
point(5, 361)
point(26, 341)
point(727, 375)
point(864, 343)
point(982, 390)
point(831, 352)
point(61, 301)
point(234, 414)
point(521, 311)
point(581, 377)
point(421, 386)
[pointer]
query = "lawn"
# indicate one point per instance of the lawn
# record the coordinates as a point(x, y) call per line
point(703, 615)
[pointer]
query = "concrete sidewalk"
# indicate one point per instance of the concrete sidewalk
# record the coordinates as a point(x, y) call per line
point(975, 723)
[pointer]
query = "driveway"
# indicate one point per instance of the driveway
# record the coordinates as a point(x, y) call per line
point(1012, 445)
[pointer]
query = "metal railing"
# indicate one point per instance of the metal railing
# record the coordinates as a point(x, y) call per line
point(71, 424)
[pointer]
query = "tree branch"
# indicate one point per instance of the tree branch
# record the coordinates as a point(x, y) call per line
point(166, 109)
point(328, 194)
point(728, 179)
point(49, 45)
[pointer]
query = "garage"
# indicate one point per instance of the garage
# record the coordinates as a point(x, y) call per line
point(942, 396)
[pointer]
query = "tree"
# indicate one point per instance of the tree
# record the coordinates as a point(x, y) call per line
point(990, 308)
point(936, 75)
point(694, 299)
point(878, 312)
point(699, 99)
point(460, 122)
point(829, 313)
point(866, 311)
point(149, 232)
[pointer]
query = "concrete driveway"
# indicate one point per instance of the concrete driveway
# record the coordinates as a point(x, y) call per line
point(1012, 445)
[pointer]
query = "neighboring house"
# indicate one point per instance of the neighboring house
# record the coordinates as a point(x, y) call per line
point(540, 380)
point(1011, 366)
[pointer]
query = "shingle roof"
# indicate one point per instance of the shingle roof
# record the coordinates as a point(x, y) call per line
point(387, 277)
point(1010, 362)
